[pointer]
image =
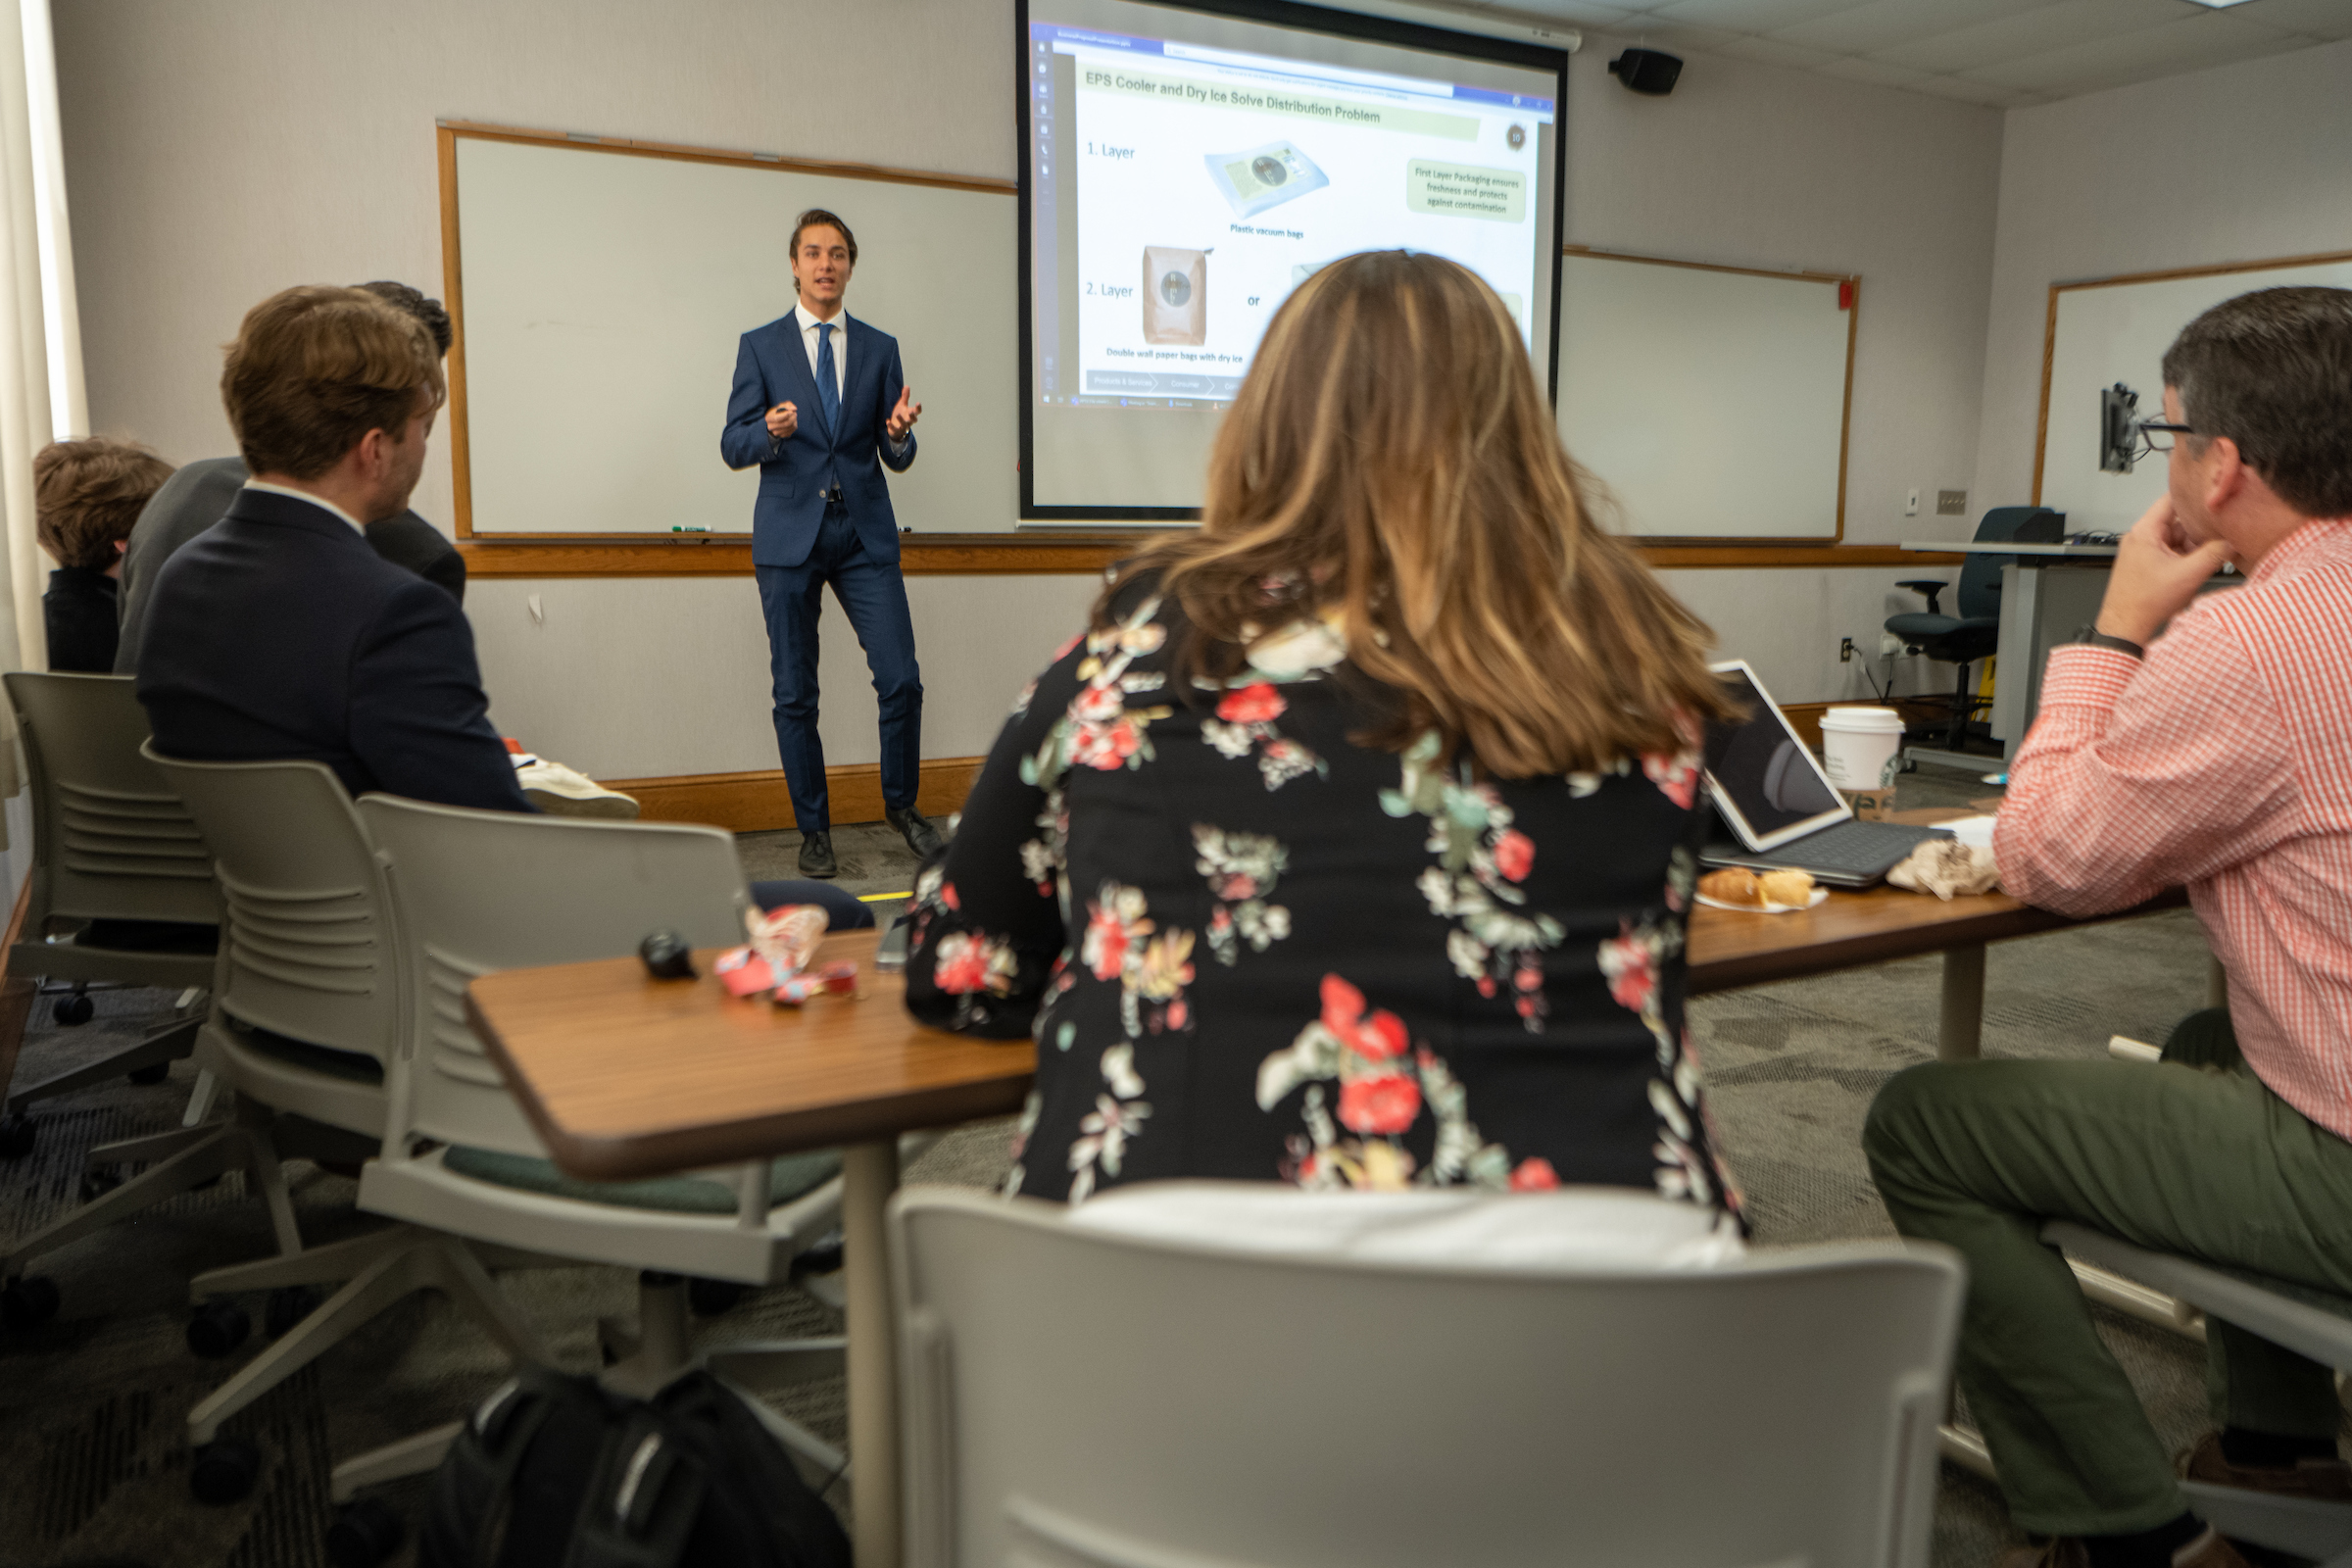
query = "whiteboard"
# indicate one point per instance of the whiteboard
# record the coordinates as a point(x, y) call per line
point(2117, 330)
point(1711, 402)
point(603, 294)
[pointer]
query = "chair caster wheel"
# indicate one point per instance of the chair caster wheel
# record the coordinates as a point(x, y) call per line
point(16, 1136)
point(96, 1184)
point(711, 1297)
point(28, 1303)
point(217, 1329)
point(224, 1470)
point(154, 1073)
point(287, 1307)
point(365, 1533)
point(70, 1011)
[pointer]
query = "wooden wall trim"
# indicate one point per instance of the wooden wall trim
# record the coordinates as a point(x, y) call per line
point(983, 555)
point(758, 802)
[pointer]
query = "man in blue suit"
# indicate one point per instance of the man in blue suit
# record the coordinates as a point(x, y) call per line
point(821, 405)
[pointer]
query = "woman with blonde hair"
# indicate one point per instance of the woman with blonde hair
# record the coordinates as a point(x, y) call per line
point(1352, 844)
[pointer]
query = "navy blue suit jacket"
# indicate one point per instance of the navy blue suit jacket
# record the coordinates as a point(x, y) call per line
point(771, 366)
point(278, 633)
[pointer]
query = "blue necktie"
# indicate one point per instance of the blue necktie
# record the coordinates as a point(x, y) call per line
point(828, 380)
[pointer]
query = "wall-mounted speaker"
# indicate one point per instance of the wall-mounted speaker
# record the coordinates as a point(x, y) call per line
point(1648, 71)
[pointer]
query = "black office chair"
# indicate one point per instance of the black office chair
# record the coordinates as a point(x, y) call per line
point(1976, 630)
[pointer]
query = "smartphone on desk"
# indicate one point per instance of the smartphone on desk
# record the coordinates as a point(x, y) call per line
point(891, 953)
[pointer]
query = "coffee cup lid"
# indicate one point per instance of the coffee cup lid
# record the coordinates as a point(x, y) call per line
point(1865, 720)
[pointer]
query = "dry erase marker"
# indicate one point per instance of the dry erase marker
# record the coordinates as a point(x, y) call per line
point(675, 529)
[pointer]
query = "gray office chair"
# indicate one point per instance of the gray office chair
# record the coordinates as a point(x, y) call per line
point(1975, 631)
point(474, 892)
point(120, 889)
point(1073, 1397)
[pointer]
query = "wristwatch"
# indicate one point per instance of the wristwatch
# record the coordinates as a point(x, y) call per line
point(2091, 636)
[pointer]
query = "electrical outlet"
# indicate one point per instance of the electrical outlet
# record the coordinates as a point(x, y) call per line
point(1951, 503)
point(1845, 649)
point(1911, 504)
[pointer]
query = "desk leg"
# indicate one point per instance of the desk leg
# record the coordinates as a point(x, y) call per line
point(1959, 1030)
point(869, 1175)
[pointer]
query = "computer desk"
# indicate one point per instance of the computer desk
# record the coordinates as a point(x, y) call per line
point(625, 1076)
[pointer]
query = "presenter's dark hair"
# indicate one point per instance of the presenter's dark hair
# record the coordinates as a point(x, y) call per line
point(2271, 370)
point(1391, 466)
point(315, 369)
point(819, 218)
point(87, 495)
point(416, 304)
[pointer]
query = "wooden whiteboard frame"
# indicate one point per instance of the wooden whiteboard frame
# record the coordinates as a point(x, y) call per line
point(2049, 330)
point(1836, 538)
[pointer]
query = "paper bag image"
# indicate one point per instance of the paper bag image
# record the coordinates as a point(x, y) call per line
point(1175, 295)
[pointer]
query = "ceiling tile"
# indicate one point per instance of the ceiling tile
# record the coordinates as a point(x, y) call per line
point(2214, 39)
point(1752, 16)
point(1889, 24)
point(1873, 71)
point(1572, 13)
point(1652, 33)
point(1971, 92)
point(2031, 33)
point(1772, 52)
point(2317, 18)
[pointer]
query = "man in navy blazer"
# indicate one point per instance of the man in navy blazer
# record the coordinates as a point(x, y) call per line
point(279, 632)
point(821, 405)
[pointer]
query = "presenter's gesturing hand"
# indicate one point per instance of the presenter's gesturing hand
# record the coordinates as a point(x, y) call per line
point(782, 420)
point(901, 417)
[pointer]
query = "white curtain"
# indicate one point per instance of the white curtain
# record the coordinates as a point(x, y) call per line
point(41, 396)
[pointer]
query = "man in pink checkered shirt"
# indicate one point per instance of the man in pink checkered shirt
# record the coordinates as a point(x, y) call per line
point(2219, 756)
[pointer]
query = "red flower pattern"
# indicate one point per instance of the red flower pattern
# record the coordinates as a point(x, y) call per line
point(1104, 747)
point(1378, 1038)
point(1677, 776)
point(1533, 1175)
point(1257, 704)
point(1633, 970)
point(1380, 1105)
point(1105, 944)
point(1514, 855)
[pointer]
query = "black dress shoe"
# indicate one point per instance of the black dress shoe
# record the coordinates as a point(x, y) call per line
point(816, 855)
point(917, 829)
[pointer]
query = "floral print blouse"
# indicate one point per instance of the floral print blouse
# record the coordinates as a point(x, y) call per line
point(1248, 948)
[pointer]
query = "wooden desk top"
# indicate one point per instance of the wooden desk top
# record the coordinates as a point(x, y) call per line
point(626, 1076)
point(741, 1078)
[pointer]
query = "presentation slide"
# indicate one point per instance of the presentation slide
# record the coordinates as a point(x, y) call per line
point(1187, 169)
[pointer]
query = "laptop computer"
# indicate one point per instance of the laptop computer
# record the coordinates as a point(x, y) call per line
point(1781, 810)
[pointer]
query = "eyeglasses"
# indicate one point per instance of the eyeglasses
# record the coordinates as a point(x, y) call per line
point(2156, 435)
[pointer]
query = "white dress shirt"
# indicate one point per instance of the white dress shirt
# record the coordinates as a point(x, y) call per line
point(810, 340)
point(841, 346)
point(316, 501)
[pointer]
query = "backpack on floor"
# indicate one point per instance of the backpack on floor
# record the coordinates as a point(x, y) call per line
point(554, 1472)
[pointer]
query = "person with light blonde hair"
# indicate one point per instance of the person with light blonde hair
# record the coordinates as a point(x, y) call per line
point(1352, 844)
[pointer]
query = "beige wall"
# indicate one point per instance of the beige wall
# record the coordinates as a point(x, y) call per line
point(217, 153)
point(2242, 163)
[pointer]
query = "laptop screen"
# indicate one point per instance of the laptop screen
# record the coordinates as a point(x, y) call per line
point(1765, 781)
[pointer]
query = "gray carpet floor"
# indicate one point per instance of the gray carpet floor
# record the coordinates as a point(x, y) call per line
point(93, 1462)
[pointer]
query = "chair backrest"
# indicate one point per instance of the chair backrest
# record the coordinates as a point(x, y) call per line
point(305, 939)
point(1079, 1398)
point(110, 839)
point(1981, 579)
point(479, 890)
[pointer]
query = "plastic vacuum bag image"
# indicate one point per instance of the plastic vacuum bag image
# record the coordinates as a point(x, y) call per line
point(1175, 295)
point(1264, 176)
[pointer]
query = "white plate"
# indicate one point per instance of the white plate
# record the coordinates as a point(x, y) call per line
point(1814, 902)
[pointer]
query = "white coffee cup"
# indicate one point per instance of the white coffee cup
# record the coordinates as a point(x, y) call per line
point(1861, 748)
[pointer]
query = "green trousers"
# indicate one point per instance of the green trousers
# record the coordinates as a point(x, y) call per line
point(2192, 1156)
